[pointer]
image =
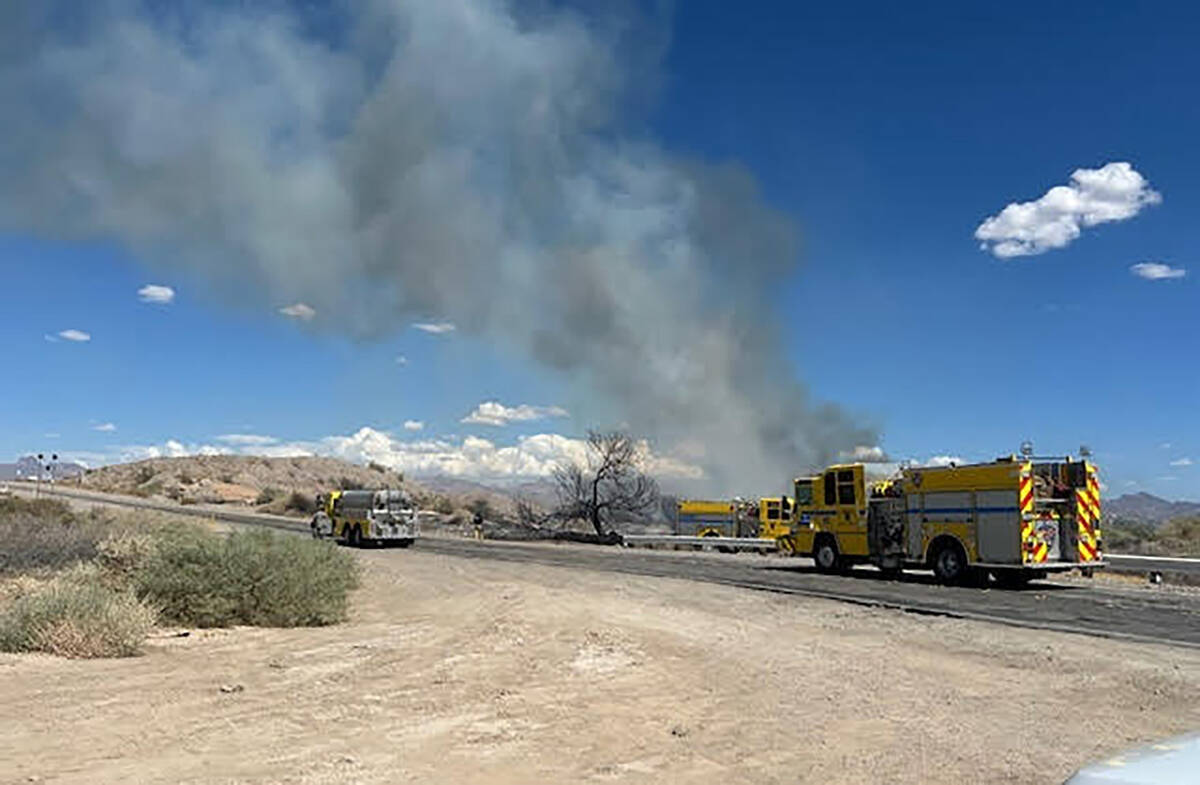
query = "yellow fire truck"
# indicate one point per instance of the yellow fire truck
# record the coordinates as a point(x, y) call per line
point(1016, 518)
point(358, 518)
point(767, 518)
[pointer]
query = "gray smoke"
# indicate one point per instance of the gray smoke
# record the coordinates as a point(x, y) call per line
point(460, 159)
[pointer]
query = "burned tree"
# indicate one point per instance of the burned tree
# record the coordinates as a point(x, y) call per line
point(608, 485)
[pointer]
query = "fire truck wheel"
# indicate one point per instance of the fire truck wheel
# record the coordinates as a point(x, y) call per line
point(950, 562)
point(825, 554)
point(354, 538)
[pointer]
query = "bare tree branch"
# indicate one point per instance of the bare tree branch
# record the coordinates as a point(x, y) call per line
point(609, 485)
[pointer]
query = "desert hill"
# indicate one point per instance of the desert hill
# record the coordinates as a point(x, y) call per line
point(283, 485)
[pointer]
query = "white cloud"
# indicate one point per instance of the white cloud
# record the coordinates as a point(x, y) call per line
point(1167, 478)
point(1182, 462)
point(106, 427)
point(867, 454)
point(246, 439)
point(413, 425)
point(1157, 271)
point(300, 311)
point(530, 457)
point(1114, 192)
point(156, 293)
point(401, 360)
point(944, 460)
point(497, 414)
point(435, 328)
point(78, 336)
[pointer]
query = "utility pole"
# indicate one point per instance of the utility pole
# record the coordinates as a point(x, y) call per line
point(48, 468)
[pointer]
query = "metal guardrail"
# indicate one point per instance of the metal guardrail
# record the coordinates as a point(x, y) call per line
point(715, 542)
point(1139, 557)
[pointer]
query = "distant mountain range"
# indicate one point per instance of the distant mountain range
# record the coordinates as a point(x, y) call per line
point(27, 468)
point(1147, 508)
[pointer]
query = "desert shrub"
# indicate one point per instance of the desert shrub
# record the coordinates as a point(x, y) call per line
point(1126, 535)
point(121, 554)
point(227, 478)
point(257, 577)
point(481, 507)
point(77, 618)
point(378, 467)
point(267, 495)
point(42, 533)
point(144, 475)
point(301, 502)
point(186, 478)
point(348, 484)
point(443, 505)
point(1180, 536)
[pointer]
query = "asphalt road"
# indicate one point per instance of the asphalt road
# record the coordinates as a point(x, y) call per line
point(1124, 613)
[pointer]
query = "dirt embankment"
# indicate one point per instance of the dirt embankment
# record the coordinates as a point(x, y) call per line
point(468, 671)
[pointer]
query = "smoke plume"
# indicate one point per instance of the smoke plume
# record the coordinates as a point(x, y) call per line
point(467, 160)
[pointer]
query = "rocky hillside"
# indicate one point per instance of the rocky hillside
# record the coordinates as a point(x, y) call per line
point(237, 479)
point(280, 485)
point(1148, 509)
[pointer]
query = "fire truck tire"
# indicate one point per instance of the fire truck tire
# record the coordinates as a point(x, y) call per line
point(404, 543)
point(949, 562)
point(354, 538)
point(826, 556)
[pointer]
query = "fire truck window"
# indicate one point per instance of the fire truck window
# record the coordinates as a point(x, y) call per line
point(830, 488)
point(804, 493)
point(772, 513)
point(846, 493)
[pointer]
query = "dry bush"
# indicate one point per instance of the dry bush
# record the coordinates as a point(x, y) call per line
point(123, 553)
point(257, 578)
point(77, 616)
point(46, 534)
point(300, 502)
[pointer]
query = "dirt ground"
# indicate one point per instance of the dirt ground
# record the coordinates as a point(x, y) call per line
point(469, 671)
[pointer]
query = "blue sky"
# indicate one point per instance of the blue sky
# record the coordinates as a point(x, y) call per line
point(887, 134)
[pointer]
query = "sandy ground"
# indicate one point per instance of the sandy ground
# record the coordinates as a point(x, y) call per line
point(468, 671)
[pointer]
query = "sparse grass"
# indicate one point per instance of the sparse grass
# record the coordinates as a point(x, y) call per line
point(77, 618)
point(258, 578)
point(112, 577)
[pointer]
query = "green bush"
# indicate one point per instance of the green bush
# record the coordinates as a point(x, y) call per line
point(77, 618)
point(257, 578)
